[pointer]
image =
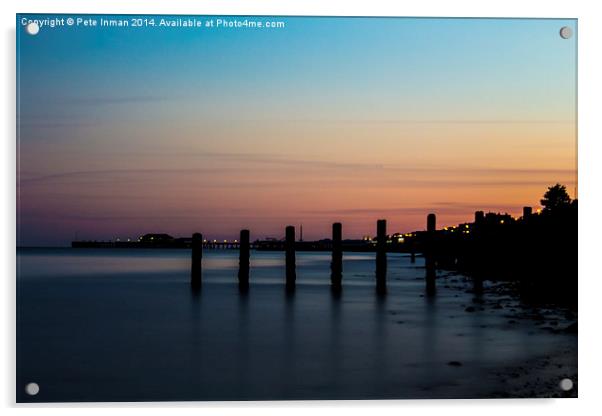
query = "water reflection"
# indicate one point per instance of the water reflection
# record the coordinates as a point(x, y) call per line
point(166, 341)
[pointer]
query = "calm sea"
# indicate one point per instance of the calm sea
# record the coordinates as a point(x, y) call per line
point(124, 325)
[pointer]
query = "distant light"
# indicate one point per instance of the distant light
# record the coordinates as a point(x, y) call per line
point(466, 226)
point(501, 221)
point(236, 241)
point(204, 241)
point(225, 241)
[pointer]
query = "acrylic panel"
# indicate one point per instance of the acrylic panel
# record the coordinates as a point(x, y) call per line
point(295, 208)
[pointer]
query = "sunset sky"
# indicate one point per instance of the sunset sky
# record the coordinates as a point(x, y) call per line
point(125, 131)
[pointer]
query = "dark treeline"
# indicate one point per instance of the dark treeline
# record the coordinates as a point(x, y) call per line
point(537, 250)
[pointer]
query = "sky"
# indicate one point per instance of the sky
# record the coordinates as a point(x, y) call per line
point(127, 131)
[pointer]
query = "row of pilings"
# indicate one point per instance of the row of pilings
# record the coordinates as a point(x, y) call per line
point(336, 265)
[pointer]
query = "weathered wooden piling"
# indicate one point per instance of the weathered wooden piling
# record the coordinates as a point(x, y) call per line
point(429, 253)
point(381, 256)
point(243, 260)
point(289, 249)
point(475, 250)
point(336, 266)
point(196, 271)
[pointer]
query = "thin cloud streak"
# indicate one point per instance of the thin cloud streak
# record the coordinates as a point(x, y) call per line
point(433, 121)
point(102, 101)
point(327, 165)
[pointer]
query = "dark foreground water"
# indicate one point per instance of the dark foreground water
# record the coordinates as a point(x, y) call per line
point(124, 325)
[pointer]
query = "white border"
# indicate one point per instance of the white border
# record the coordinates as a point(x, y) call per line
point(590, 70)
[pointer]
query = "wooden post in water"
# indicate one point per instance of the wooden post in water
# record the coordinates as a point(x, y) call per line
point(381, 256)
point(473, 249)
point(196, 263)
point(289, 249)
point(244, 248)
point(429, 254)
point(336, 266)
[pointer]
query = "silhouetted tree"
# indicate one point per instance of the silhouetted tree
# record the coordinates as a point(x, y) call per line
point(555, 197)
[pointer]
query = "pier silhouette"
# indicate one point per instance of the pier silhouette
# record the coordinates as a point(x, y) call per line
point(493, 246)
